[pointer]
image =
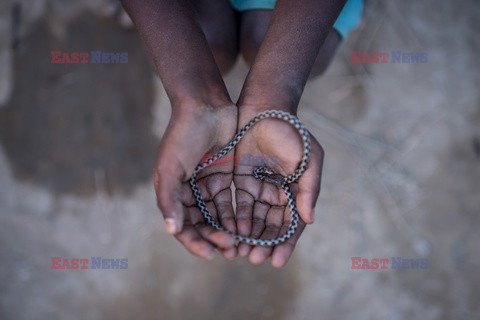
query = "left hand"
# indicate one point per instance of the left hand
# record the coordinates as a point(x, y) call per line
point(262, 210)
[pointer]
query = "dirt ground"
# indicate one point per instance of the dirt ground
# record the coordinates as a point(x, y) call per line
point(401, 177)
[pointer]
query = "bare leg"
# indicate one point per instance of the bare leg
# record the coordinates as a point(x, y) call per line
point(219, 24)
point(326, 53)
point(253, 26)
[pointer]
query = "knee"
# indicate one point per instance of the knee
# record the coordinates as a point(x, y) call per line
point(224, 51)
point(217, 20)
point(224, 57)
point(326, 53)
point(253, 28)
point(250, 43)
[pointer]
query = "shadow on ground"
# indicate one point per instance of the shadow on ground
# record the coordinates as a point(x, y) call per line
point(78, 125)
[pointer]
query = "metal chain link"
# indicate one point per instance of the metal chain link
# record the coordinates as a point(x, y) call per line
point(264, 174)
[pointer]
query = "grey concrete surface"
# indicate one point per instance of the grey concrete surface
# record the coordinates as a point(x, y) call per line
point(401, 178)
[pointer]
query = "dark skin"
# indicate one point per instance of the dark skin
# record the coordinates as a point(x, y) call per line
point(191, 45)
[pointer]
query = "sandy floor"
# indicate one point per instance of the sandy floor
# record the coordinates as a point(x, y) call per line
point(401, 178)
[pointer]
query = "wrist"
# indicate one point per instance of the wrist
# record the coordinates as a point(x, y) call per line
point(199, 100)
point(204, 113)
point(255, 104)
point(215, 124)
point(256, 98)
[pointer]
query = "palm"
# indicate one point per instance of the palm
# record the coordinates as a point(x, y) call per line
point(187, 138)
point(214, 183)
point(262, 210)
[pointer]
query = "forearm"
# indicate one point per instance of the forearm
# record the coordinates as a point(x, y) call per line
point(296, 32)
point(179, 49)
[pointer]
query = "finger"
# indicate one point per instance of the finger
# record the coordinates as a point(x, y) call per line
point(259, 216)
point(195, 243)
point(245, 202)
point(215, 179)
point(215, 183)
point(244, 249)
point(309, 184)
point(218, 238)
point(168, 184)
point(258, 226)
point(226, 216)
point(274, 221)
point(229, 253)
point(282, 252)
point(191, 239)
point(268, 194)
point(224, 209)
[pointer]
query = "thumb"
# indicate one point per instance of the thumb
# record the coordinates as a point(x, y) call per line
point(168, 177)
point(309, 184)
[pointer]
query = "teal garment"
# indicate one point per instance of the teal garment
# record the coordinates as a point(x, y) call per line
point(348, 19)
point(244, 5)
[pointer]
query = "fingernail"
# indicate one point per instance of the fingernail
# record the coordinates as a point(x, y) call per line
point(171, 225)
point(243, 251)
point(212, 255)
point(230, 254)
point(277, 262)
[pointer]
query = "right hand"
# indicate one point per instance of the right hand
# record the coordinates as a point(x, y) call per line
point(192, 132)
